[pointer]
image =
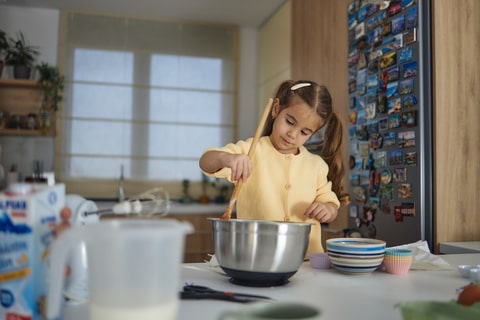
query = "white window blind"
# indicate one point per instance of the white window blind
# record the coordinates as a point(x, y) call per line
point(143, 94)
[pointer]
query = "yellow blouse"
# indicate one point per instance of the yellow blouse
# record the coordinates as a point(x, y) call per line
point(281, 186)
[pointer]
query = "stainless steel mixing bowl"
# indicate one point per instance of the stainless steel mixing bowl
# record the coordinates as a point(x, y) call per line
point(260, 252)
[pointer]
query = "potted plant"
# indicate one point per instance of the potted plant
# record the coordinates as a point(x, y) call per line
point(3, 49)
point(51, 83)
point(21, 56)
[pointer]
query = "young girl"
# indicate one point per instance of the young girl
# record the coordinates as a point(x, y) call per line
point(284, 181)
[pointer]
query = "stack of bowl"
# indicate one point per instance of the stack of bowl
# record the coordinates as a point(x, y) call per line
point(356, 255)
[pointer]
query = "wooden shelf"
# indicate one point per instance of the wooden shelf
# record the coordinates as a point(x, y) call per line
point(22, 97)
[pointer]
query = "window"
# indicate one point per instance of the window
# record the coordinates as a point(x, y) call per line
point(145, 95)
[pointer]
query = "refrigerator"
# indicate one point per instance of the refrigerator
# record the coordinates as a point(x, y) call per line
point(390, 136)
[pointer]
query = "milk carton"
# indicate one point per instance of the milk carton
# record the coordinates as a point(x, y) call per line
point(27, 230)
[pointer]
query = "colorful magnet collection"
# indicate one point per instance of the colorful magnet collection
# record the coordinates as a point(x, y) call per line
point(384, 109)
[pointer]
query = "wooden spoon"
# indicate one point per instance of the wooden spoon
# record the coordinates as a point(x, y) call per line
point(251, 151)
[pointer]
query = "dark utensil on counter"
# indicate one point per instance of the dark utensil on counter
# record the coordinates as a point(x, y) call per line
point(195, 292)
point(260, 253)
point(251, 151)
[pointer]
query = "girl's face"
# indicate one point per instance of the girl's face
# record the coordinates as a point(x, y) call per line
point(293, 126)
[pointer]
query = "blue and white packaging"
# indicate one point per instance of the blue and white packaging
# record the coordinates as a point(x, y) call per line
point(27, 230)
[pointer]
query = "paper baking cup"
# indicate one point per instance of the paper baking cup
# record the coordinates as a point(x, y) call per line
point(320, 260)
point(397, 261)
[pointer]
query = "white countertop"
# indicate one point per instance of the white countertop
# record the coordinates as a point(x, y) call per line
point(179, 208)
point(459, 247)
point(339, 296)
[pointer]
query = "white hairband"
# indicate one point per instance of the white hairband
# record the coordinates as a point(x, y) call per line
point(300, 85)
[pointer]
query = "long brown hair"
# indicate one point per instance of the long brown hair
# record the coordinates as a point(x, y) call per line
point(318, 97)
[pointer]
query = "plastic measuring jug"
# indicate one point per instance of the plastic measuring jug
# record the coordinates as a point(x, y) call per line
point(133, 268)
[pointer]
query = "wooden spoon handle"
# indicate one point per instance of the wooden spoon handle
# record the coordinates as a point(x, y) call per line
point(251, 151)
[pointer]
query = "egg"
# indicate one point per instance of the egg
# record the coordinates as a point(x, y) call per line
point(469, 295)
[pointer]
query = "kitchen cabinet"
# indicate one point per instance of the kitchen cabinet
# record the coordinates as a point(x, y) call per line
point(199, 244)
point(18, 99)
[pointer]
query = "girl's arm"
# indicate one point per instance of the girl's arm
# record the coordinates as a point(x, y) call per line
point(240, 164)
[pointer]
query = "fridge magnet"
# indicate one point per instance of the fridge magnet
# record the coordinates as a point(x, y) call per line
point(410, 159)
point(372, 127)
point(352, 86)
point(398, 24)
point(372, 65)
point(406, 86)
point(409, 119)
point(393, 73)
point(353, 117)
point(351, 35)
point(359, 30)
point(405, 54)
point(405, 191)
point(385, 207)
point(353, 59)
point(407, 3)
point(408, 209)
point(359, 194)
point(395, 157)
point(352, 133)
point(351, 162)
point(409, 102)
point(354, 180)
point(358, 165)
point(412, 17)
point(360, 103)
point(372, 83)
point(364, 149)
point(376, 141)
point(352, 21)
point(362, 14)
point(380, 159)
point(383, 124)
point(371, 110)
point(410, 69)
point(377, 36)
point(399, 175)
point(389, 138)
point(394, 105)
point(386, 28)
point(371, 98)
point(368, 215)
point(388, 60)
point(370, 24)
point(352, 73)
point(382, 104)
point(362, 133)
point(354, 147)
point(353, 211)
point(394, 120)
point(351, 102)
point(406, 139)
point(351, 9)
point(410, 36)
point(364, 179)
point(392, 89)
point(386, 193)
point(395, 7)
point(380, 18)
point(372, 9)
point(397, 213)
point(386, 176)
point(362, 61)
point(361, 117)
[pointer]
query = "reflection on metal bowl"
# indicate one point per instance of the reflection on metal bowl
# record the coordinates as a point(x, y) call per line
point(259, 252)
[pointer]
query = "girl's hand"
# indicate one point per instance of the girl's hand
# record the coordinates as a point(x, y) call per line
point(240, 164)
point(323, 212)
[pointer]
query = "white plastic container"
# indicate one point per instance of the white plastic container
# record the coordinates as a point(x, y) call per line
point(133, 268)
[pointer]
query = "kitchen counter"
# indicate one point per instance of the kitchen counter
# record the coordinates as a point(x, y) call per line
point(459, 247)
point(339, 296)
point(178, 208)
